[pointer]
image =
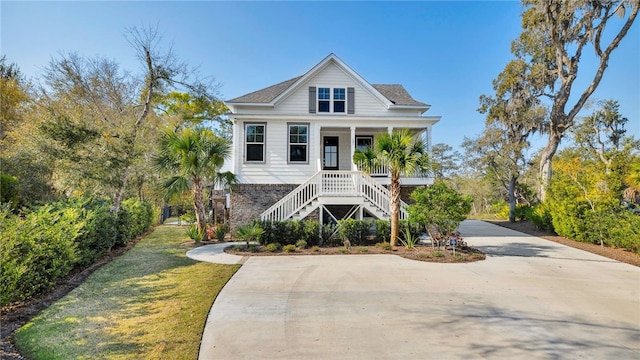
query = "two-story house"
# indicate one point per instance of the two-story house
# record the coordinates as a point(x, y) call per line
point(293, 145)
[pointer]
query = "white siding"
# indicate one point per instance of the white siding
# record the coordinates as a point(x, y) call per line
point(371, 116)
point(275, 169)
point(332, 76)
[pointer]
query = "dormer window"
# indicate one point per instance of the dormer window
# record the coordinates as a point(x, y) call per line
point(331, 101)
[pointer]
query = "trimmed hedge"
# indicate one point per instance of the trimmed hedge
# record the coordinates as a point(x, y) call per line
point(42, 245)
point(358, 232)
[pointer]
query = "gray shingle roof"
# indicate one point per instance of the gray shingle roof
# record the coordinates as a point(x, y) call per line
point(265, 95)
point(397, 94)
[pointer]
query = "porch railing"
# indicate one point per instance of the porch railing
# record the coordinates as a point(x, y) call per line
point(332, 183)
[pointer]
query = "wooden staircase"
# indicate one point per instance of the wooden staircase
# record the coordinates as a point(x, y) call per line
point(333, 188)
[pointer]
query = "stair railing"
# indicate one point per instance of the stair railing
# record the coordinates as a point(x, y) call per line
point(332, 183)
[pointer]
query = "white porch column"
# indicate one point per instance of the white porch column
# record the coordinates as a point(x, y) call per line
point(353, 148)
point(236, 152)
point(316, 153)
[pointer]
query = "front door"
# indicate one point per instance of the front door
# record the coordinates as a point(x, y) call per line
point(330, 153)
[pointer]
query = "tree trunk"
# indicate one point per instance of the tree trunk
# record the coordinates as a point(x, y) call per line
point(117, 198)
point(545, 162)
point(395, 209)
point(198, 206)
point(512, 198)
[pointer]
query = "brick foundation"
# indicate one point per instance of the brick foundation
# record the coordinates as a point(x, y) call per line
point(248, 201)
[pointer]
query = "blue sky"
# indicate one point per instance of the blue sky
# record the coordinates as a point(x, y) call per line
point(445, 53)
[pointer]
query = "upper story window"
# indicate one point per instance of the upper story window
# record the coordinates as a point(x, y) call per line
point(254, 142)
point(331, 101)
point(338, 100)
point(298, 143)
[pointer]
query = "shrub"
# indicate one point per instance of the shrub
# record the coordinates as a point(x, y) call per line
point(36, 250)
point(356, 231)
point(99, 232)
point(363, 249)
point(189, 217)
point(46, 243)
point(9, 190)
point(194, 234)
point(140, 216)
point(253, 249)
point(411, 229)
point(285, 232)
point(343, 251)
point(289, 248)
point(315, 248)
point(438, 253)
point(273, 247)
point(384, 245)
point(408, 240)
point(249, 232)
point(540, 216)
point(439, 206)
point(311, 232)
point(383, 231)
point(301, 244)
point(220, 231)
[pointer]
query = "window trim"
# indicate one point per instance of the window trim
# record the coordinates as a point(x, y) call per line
point(308, 125)
point(264, 143)
point(332, 100)
point(369, 137)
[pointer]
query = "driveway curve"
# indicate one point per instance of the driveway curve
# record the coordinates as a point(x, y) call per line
point(531, 298)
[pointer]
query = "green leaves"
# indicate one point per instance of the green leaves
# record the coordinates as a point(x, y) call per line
point(439, 206)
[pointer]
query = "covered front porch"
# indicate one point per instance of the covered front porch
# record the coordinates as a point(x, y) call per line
point(337, 146)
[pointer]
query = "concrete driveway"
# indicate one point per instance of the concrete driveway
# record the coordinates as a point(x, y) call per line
point(530, 299)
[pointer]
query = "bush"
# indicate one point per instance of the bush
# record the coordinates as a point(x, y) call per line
point(99, 232)
point(356, 231)
point(36, 251)
point(9, 190)
point(301, 244)
point(384, 246)
point(311, 232)
point(383, 231)
point(285, 232)
point(540, 216)
point(46, 243)
point(194, 234)
point(315, 248)
point(140, 216)
point(273, 247)
point(289, 248)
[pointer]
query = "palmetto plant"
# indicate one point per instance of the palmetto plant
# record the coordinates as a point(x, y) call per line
point(249, 232)
point(190, 158)
point(403, 154)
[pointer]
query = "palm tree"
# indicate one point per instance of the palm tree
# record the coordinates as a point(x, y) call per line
point(191, 158)
point(403, 154)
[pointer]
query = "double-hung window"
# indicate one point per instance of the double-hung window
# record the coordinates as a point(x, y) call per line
point(338, 100)
point(298, 143)
point(254, 142)
point(324, 100)
point(331, 101)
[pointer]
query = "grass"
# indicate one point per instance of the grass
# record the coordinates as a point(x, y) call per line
point(151, 302)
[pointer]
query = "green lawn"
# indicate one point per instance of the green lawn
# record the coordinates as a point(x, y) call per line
point(151, 302)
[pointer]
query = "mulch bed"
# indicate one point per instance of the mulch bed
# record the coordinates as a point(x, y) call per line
point(420, 252)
